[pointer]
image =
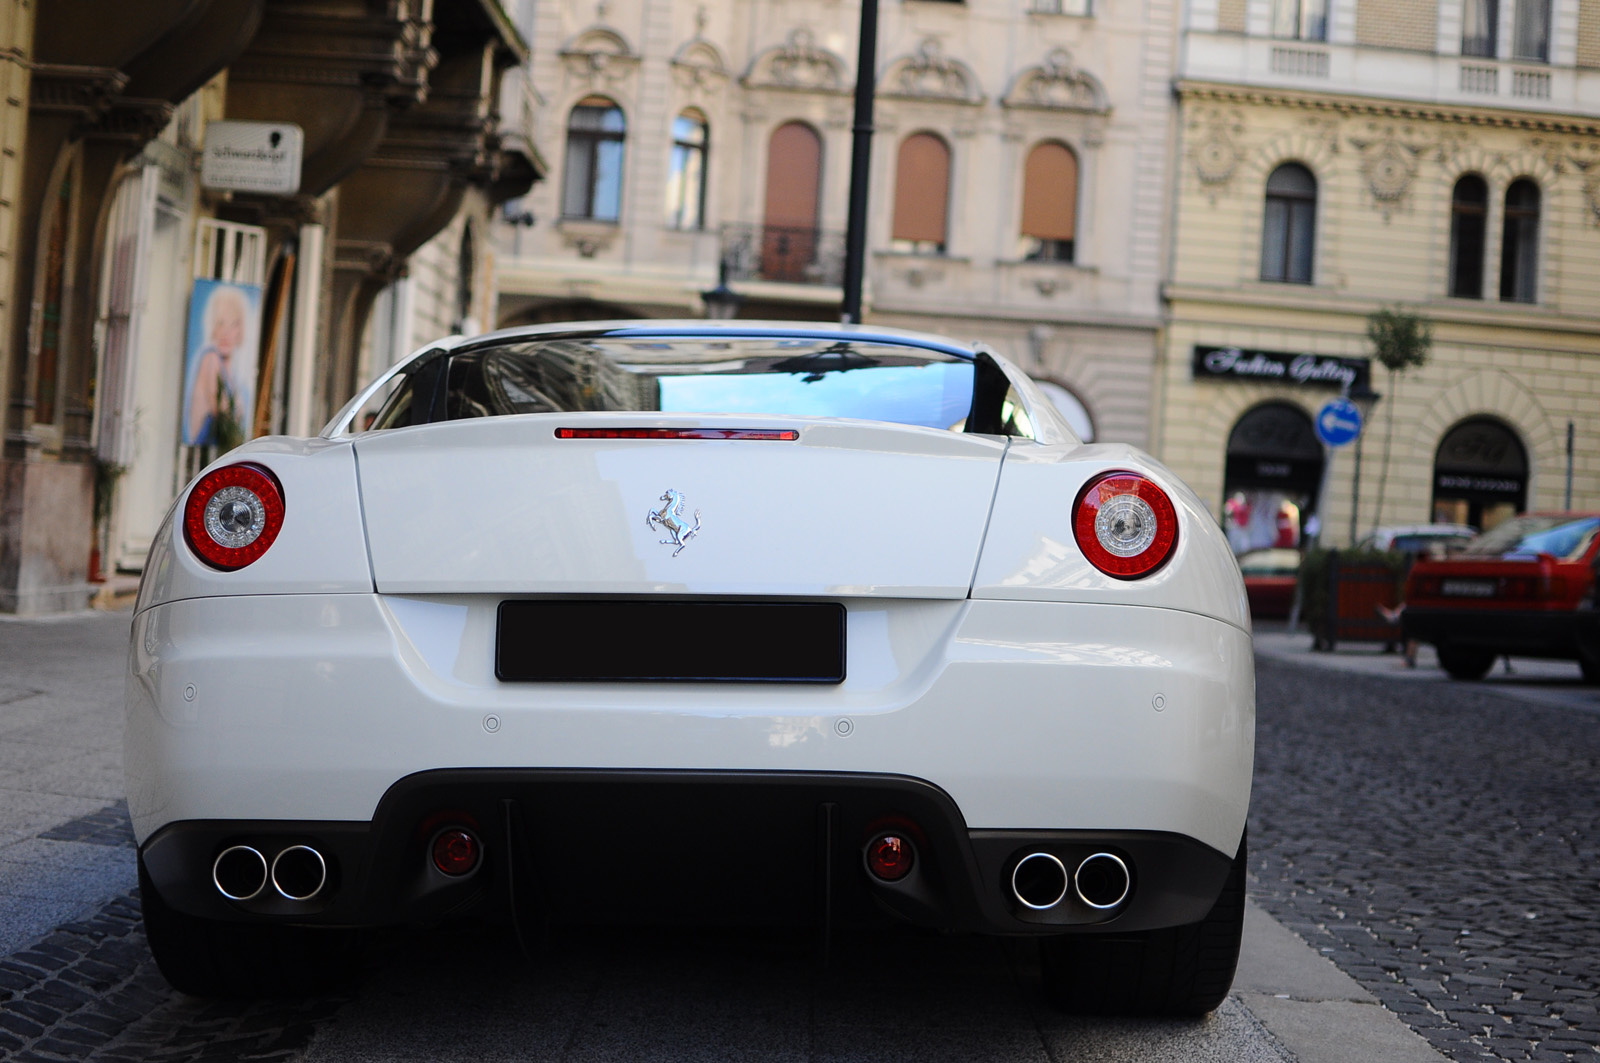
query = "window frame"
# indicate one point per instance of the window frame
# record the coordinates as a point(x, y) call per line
point(1299, 20)
point(1037, 248)
point(916, 244)
point(687, 150)
point(1522, 33)
point(1306, 214)
point(1465, 213)
point(1519, 264)
point(1486, 46)
point(591, 143)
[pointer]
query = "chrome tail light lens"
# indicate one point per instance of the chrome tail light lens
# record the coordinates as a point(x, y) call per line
point(1125, 524)
point(233, 515)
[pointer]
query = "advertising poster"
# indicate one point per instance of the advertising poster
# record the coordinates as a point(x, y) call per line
point(219, 375)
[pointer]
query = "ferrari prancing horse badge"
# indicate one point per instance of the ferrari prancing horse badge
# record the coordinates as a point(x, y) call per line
point(669, 518)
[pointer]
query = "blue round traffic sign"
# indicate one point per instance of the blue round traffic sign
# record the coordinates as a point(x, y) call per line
point(1339, 422)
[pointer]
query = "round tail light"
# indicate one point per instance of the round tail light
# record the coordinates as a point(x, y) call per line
point(890, 856)
point(1125, 525)
point(233, 515)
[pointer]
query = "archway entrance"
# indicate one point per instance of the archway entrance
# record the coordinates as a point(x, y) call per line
point(1271, 477)
point(1480, 474)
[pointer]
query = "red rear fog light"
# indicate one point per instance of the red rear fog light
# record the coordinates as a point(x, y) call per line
point(890, 856)
point(456, 851)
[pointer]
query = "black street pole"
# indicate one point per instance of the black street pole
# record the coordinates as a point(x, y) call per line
point(855, 237)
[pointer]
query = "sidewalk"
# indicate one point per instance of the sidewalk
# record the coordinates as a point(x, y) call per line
point(64, 845)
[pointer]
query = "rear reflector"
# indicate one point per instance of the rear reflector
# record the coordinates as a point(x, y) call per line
point(677, 433)
point(889, 857)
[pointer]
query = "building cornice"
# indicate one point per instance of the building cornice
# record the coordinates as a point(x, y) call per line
point(1379, 107)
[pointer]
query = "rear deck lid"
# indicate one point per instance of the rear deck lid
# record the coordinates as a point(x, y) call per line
point(505, 505)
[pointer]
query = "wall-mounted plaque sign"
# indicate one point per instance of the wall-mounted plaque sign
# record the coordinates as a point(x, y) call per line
point(1281, 367)
point(252, 157)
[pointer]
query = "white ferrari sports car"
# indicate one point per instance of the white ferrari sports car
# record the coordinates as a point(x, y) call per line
point(710, 622)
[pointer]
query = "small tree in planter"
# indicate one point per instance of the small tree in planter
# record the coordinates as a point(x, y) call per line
point(1400, 341)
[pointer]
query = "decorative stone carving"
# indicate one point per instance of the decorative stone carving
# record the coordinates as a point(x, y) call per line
point(1215, 153)
point(930, 75)
point(1057, 85)
point(798, 64)
point(598, 58)
point(698, 67)
point(1389, 156)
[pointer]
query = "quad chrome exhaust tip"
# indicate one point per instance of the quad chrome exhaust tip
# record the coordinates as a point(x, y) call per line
point(299, 873)
point(239, 872)
point(1102, 881)
point(1040, 881)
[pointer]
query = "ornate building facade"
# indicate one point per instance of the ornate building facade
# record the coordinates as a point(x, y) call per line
point(1018, 178)
point(1337, 158)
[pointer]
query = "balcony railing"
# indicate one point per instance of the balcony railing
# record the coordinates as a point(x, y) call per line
point(791, 254)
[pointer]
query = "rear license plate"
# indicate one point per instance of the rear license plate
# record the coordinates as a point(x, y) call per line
point(1467, 588)
point(683, 642)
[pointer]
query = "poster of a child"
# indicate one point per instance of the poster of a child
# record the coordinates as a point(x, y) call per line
point(220, 368)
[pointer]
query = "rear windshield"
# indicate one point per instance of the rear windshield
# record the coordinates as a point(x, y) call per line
point(1564, 537)
point(775, 376)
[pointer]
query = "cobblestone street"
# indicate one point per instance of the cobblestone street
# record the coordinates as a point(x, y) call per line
point(1439, 842)
point(1434, 839)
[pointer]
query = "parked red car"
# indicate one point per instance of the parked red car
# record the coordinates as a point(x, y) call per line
point(1526, 587)
point(1269, 580)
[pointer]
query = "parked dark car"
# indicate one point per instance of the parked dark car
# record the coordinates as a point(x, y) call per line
point(1525, 587)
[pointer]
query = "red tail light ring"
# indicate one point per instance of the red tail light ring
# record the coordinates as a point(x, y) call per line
point(233, 515)
point(1125, 525)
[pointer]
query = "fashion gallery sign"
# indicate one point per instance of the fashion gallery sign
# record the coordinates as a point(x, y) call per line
point(1307, 370)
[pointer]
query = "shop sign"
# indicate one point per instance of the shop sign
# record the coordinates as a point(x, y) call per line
point(1281, 367)
point(252, 157)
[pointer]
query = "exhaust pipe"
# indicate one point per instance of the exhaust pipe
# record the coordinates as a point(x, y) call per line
point(239, 872)
point(1102, 881)
point(1039, 881)
point(299, 872)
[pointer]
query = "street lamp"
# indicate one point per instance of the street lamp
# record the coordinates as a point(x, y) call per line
point(722, 302)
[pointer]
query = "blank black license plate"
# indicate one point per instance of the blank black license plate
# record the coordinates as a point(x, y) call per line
point(686, 642)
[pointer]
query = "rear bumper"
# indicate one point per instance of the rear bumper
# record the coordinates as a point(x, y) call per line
point(661, 847)
point(316, 713)
point(1525, 633)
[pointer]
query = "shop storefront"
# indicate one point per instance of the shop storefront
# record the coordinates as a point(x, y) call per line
point(1273, 462)
point(1480, 474)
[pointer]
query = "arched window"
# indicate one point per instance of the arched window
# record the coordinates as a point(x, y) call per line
point(593, 181)
point(1288, 229)
point(1519, 246)
point(1049, 203)
point(794, 200)
point(686, 180)
point(1469, 219)
point(922, 194)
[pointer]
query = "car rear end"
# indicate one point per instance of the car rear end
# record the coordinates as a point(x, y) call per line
point(654, 664)
point(1523, 588)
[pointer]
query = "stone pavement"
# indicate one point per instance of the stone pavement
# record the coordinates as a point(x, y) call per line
point(60, 759)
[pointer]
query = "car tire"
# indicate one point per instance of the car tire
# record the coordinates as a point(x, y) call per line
point(1589, 662)
point(1463, 662)
point(212, 958)
point(1180, 971)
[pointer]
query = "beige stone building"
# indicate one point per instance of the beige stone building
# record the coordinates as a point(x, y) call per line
point(1335, 158)
point(1018, 180)
point(154, 312)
